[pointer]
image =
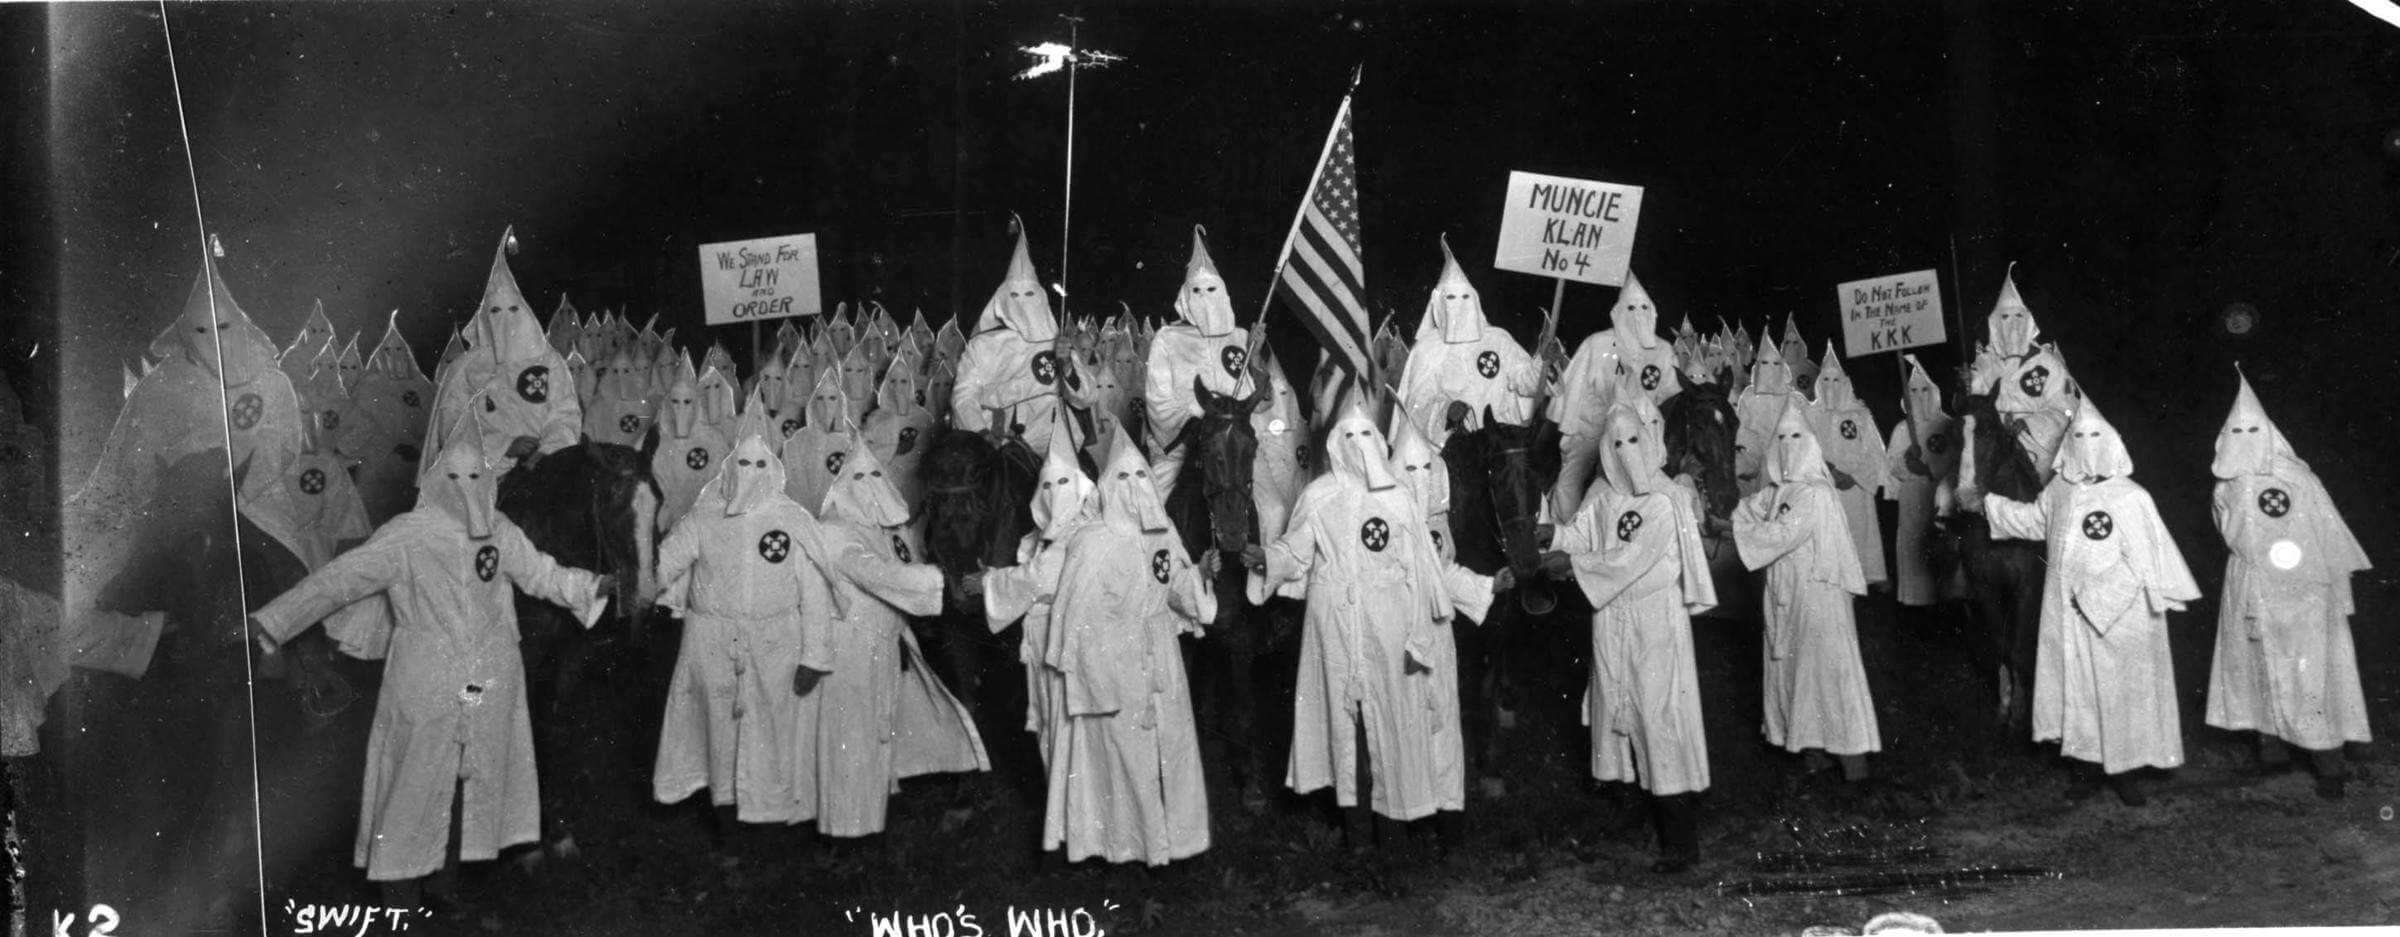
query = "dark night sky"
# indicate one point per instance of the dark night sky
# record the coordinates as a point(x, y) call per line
point(2151, 163)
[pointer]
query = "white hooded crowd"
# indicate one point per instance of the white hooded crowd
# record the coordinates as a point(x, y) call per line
point(788, 541)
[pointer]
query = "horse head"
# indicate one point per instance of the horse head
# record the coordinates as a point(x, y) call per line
point(958, 467)
point(592, 506)
point(2002, 466)
point(1222, 444)
point(1701, 425)
point(1498, 472)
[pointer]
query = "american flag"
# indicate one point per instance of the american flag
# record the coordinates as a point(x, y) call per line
point(1322, 273)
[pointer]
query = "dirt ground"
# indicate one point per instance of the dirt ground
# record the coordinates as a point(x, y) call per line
point(1963, 826)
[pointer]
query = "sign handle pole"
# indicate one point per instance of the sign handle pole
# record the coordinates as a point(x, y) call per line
point(1558, 296)
point(758, 358)
point(1958, 306)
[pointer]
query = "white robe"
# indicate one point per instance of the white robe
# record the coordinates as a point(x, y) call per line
point(1585, 392)
point(1816, 685)
point(381, 428)
point(1026, 592)
point(755, 608)
point(2285, 665)
point(453, 700)
point(1125, 785)
point(812, 455)
point(1001, 370)
point(2036, 390)
point(1640, 562)
point(621, 421)
point(2103, 678)
point(1917, 583)
point(684, 465)
point(1378, 598)
point(900, 438)
point(1492, 371)
point(178, 409)
point(1852, 444)
point(1178, 354)
point(877, 720)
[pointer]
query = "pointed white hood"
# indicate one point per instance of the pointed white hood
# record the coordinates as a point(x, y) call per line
point(1020, 303)
point(1203, 301)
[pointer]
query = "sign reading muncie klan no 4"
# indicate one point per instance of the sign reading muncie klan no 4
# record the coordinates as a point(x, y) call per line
point(1891, 313)
point(762, 278)
point(1572, 229)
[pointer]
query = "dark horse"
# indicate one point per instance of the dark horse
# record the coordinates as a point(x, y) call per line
point(594, 697)
point(1214, 509)
point(1498, 473)
point(162, 765)
point(2004, 576)
point(978, 506)
point(1701, 425)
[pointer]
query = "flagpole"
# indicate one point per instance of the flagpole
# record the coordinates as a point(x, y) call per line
point(1067, 212)
point(1258, 328)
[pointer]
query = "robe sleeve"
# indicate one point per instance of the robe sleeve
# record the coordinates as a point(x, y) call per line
point(562, 424)
point(371, 568)
point(1097, 564)
point(818, 608)
point(1009, 592)
point(2018, 520)
point(975, 370)
point(1763, 533)
point(535, 573)
point(1188, 593)
point(676, 556)
point(1895, 459)
point(1604, 576)
point(1167, 401)
point(914, 588)
point(1699, 588)
point(1290, 557)
point(2166, 581)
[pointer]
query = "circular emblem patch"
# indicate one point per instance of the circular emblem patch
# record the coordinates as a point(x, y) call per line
point(408, 398)
point(2034, 381)
point(789, 426)
point(1849, 429)
point(487, 562)
point(1783, 509)
point(1375, 534)
point(696, 459)
point(332, 419)
point(1045, 367)
point(833, 462)
point(312, 481)
point(900, 549)
point(2274, 502)
point(629, 424)
point(1160, 566)
point(1651, 376)
point(246, 410)
point(2098, 525)
point(774, 546)
point(1628, 524)
point(907, 442)
point(533, 384)
point(1488, 364)
point(1937, 444)
point(1234, 358)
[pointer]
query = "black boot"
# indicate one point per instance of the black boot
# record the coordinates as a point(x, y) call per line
point(2274, 757)
point(1678, 822)
point(2333, 773)
point(1358, 829)
point(2128, 785)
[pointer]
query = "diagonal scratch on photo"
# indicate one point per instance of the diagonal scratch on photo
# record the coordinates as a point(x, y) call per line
point(1072, 468)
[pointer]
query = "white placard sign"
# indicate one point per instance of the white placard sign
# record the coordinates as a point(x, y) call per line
point(1573, 229)
point(761, 278)
point(1891, 313)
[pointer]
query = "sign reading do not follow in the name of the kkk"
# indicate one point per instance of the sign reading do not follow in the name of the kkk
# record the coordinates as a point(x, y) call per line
point(762, 278)
point(1573, 229)
point(1891, 313)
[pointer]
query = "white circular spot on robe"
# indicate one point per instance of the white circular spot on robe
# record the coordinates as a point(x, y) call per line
point(1275, 426)
point(2284, 555)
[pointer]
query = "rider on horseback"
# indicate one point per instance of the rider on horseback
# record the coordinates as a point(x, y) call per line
point(1205, 347)
point(1011, 365)
point(1630, 345)
point(517, 386)
point(1461, 357)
